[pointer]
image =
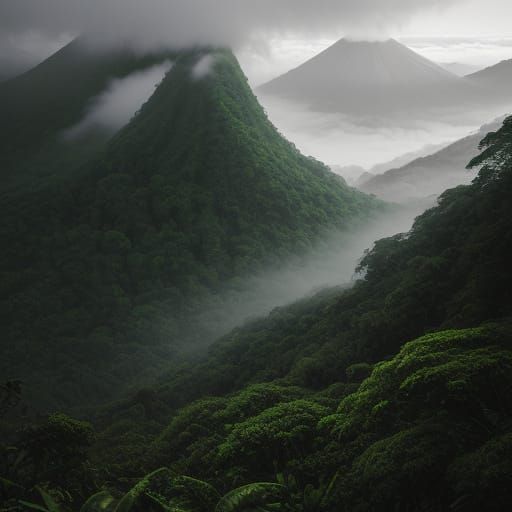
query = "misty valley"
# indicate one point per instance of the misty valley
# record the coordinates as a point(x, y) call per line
point(200, 315)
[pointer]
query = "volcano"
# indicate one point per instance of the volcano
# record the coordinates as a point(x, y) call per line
point(369, 78)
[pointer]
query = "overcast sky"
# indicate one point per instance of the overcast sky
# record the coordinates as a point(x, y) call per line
point(239, 22)
point(270, 35)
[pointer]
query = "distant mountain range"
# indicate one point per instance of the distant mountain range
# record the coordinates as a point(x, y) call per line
point(383, 79)
point(497, 78)
point(370, 78)
point(459, 68)
point(428, 176)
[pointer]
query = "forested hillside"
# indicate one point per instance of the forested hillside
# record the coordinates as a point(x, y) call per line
point(394, 395)
point(39, 105)
point(332, 398)
point(103, 268)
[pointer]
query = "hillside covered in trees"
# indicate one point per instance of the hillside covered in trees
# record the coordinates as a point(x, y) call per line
point(105, 264)
point(393, 395)
point(39, 105)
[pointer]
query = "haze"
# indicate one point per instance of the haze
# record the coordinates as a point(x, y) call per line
point(271, 37)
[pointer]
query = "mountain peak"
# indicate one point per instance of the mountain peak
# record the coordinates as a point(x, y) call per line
point(196, 192)
point(366, 77)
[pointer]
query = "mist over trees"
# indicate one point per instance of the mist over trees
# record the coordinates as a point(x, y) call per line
point(197, 317)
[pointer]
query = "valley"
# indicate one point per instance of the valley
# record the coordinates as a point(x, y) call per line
point(200, 315)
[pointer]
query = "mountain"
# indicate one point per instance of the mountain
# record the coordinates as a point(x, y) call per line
point(353, 395)
point(460, 68)
point(495, 79)
point(431, 175)
point(350, 173)
point(106, 271)
point(369, 78)
point(39, 105)
point(406, 158)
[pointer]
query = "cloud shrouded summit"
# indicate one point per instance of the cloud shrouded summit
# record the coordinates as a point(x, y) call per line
point(225, 22)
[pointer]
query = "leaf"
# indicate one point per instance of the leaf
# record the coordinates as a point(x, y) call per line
point(252, 497)
point(157, 501)
point(9, 483)
point(50, 503)
point(132, 496)
point(98, 502)
point(33, 506)
point(191, 494)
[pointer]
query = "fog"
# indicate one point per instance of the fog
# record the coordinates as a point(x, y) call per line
point(364, 103)
point(331, 263)
point(341, 140)
point(123, 97)
point(203, 67)
point(228, 22)
point(21, 51)
point(252, 28)
point(473, 52)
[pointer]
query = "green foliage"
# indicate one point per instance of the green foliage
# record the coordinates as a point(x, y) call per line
point(100, 502)
point(50, 505)
point(10, 395)
point(55, 451)
point(279, 434)
point(190, 495)
point(257, 496)
point(440, 397)
point(426, 429)
point(133, 498)
point(202, 435)
point(358, 372)
point(477, 476)
point(329, 393)
point(105, 269)
point(496, 157)
point(38, 106)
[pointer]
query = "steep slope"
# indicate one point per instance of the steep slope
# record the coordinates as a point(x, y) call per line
point(431, 175)
point(332, 395)
point(103, 270)
point(459, 68)
point(369, 78)
point(495, 78)
point(40, 104)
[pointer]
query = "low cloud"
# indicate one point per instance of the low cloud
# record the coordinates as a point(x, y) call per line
point(203, 67)
point(21, 51)
point(225, 22)
point(114, 107)
point(341, 140)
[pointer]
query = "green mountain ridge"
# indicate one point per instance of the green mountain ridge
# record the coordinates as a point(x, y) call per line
point(394, 394)
point(330, 395)
point(104, 265)
point(39, 105)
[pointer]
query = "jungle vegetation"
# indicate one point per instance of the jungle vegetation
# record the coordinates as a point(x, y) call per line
point(106, 264)
point(392, 395)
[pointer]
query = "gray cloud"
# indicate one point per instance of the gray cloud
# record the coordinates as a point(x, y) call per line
point(115, 106)
point(224, 22)
point(203, 67)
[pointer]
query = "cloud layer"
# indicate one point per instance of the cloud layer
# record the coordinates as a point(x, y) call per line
point(115, 106)
point(226, 22)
